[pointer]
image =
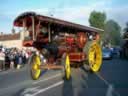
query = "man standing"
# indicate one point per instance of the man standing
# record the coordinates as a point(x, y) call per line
point(2, 60)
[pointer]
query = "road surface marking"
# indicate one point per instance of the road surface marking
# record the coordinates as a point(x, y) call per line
point(33, 89)
point(12, 71)
point(49, 78)
point(105, 81)
point(109, 91)
point(28, 82)
point(27, 95)
point(17, 85)
point(47, 88)
point(110, 87)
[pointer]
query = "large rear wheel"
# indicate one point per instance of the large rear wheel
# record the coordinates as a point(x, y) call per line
point(35, 70)
point(94, 56)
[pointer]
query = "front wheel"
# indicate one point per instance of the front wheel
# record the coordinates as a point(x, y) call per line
point(94, 56)
point(67, 67)
point(35, 64)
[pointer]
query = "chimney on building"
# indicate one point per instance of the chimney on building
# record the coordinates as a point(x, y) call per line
point(13, 31)
point(1, 33)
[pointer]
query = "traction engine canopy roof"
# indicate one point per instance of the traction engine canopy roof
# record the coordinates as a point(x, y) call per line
point(18, 22)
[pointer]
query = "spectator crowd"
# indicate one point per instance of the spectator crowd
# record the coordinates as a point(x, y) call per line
point(13, 58)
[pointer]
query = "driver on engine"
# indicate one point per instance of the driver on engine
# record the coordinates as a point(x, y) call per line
point(49, 48)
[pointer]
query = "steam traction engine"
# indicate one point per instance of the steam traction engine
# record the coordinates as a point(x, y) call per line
point(59, 44)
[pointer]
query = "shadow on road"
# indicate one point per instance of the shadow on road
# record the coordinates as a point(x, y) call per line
point(91, 84)
point(19, 93)
point(67, 88)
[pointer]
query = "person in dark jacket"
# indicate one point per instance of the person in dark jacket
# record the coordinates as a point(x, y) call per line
point(11, 57)
point(20, 60)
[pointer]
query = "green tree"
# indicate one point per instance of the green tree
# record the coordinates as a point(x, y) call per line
point(97, 19)
point(112, 32)
point(125, 35)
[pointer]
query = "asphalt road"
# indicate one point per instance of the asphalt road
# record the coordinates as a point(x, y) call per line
point(112, 80)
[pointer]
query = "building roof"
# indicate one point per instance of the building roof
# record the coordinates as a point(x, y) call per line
point(5, 37)
point(18, 22)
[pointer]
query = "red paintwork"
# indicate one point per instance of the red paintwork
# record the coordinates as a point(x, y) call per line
point(28, 43)
point(77, 57)
point(81, 39)
point(70, 40)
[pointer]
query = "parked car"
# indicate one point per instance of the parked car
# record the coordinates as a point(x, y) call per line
point(107, 53)
point(116, 51)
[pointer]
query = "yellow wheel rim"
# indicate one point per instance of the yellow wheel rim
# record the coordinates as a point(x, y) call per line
point(95, 57)
point(35, 71)
point(67, 68)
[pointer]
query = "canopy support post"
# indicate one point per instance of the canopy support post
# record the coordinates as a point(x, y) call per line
point(49, 33)
point(24, 25)
point(37, 28)
point(33, 28)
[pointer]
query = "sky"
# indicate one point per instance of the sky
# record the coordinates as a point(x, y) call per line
point(76, 11)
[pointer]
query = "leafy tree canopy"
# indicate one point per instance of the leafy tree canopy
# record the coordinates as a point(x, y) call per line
point(97, 19)
point(125, 35)
point(112, 32)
